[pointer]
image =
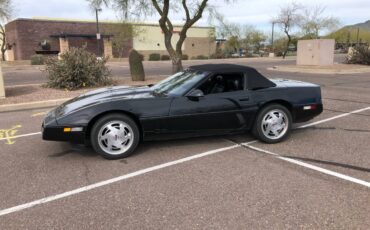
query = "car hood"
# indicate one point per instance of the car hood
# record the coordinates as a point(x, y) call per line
point(102, 95)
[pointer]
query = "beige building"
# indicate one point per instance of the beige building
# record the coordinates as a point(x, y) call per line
point(45, 36)
point(199, 41)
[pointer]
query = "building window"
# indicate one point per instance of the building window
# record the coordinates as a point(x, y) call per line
point(193, 45)
point(158, 44)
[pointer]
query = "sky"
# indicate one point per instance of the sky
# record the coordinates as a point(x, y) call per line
point(252, 12)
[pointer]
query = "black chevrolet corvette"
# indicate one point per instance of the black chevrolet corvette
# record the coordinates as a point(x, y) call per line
point(202, 100)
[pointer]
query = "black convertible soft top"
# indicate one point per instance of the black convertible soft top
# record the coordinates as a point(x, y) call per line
point(255, 79)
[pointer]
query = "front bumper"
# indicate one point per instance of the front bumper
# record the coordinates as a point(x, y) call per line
point(52, 131)
point(56, 133)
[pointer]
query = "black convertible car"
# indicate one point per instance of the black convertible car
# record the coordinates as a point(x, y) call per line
point(202, 100)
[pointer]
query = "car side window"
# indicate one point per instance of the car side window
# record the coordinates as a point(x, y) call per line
point(222, 83)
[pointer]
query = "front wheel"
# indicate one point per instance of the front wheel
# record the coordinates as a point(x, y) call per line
point(115, 136)
point(273, 124)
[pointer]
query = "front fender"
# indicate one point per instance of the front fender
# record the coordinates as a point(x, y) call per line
point(82, 116)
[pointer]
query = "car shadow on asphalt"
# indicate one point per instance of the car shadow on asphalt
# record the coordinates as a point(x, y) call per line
point(347, 166)
point(71, 148)
point(146, 147)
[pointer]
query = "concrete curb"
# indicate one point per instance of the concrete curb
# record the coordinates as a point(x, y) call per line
point(320, 71)
point(31, 105)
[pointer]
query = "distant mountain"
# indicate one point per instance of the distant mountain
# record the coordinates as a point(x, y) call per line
point(363, 26)
point(349, 33)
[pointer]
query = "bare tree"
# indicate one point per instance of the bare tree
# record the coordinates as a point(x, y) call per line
point(313, 21)
point(191, 9)
point(288, 18)
point(6, 10)
point(225, 29)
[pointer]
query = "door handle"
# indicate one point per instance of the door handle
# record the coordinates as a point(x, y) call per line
point(244, 99)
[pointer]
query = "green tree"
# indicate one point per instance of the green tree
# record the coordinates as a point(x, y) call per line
point(253, 38)
point(192, 10)
point(232, 45)
point(313, 21)
point(232, 32)
point(123, 33)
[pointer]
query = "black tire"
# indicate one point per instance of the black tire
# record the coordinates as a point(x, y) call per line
point(101, 125)
point(257, 127)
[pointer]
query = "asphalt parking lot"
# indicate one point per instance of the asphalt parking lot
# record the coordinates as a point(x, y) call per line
point(318, 178)
point(14, 76)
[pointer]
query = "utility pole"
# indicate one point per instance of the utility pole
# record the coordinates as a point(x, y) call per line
point(98, 36)
point(358, 35)
point(272, 36)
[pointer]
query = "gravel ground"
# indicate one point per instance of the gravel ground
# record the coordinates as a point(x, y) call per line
point(31, 93)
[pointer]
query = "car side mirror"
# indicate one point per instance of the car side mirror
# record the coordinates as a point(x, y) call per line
point(195, 94)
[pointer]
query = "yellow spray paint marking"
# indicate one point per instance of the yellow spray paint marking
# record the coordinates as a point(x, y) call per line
point(7, 134)
point(38, 114)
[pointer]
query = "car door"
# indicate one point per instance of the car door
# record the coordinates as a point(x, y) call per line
point(210, 114)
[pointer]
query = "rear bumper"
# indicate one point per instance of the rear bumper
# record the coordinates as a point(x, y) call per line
point(55, 133)
point(301, 115)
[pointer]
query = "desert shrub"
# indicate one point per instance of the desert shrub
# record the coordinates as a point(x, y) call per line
point(165, 57)
point(216, 56)
point(200, 57)
point(279, 53)
point(77, 68)
point(136, 66)
point(219, 54)
point(37, 59)
point(360, 55)
point(185, 57)
point(154, 57)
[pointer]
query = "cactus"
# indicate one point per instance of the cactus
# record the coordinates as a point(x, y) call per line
point(136, 66)
point(37, 59)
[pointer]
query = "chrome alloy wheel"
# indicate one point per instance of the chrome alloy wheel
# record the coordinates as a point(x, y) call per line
point(274, 124)
point(115, 137)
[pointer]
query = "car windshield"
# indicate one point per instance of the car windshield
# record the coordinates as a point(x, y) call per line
point(179, 83)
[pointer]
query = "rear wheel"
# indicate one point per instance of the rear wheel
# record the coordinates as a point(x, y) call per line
point(273, 124)
point(115, 136)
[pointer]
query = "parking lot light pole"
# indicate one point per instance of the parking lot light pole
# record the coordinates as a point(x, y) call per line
point(272, 36)
point(97, 30)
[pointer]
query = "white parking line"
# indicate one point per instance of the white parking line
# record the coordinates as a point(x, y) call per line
point(180, 161)
point(335, 117)
point(113, 180)
point(313, 167)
